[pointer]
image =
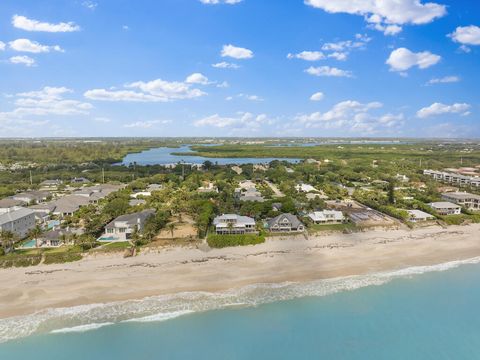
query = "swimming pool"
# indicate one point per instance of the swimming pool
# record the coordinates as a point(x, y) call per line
point(30, 244)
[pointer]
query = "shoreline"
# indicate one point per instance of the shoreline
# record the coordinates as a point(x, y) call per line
point(111, 278)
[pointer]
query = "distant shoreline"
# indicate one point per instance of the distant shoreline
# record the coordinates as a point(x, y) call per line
point(109, 278)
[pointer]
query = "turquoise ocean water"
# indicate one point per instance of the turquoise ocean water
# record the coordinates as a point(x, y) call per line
point(417, 313)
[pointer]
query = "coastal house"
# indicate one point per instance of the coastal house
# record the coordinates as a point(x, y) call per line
point(446, 208)
point(208, 187)
point(327, 217)
point(285, 223)
point(137, 202)
point(18, 220)
point(237, 169)
point(32, 197)
point(228, 224)
point(306, 188)
point(51, 184)
point(56, 237)
point(8, 203)
point(468, 201)
point(121, 228)
point(80, 180)
point(247, 191)
point(417, 216)
point(402, 178)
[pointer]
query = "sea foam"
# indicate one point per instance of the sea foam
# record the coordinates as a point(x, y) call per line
point(166, 307)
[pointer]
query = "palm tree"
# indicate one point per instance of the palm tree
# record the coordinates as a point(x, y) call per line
point(230, 227)
point(34, 234)
point(171, 228)
point(7, 239)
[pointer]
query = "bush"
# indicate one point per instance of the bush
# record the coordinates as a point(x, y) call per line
point(20, 260)
point(61, 257)
point(221, 241)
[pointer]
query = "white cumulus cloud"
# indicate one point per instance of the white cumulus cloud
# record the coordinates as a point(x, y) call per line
point(403, 59)
point(385, 15)
point(23, 59)
point(151, 91)
point(225, 65)
point(444, 80)
point(318, 96)
point(307, 55)
point(26, 45)
point(241, 120)
point(466, 35)
point(440, 109)
point(2, 46)
point(197, 78)
point(328, 71)
point(24, 23)
point(236, 52)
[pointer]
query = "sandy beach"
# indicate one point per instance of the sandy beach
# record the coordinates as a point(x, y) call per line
point(107, 278)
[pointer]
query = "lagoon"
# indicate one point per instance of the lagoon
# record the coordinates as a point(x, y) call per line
point(164, 156)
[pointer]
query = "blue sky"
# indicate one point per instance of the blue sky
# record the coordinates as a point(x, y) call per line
point(239, 68)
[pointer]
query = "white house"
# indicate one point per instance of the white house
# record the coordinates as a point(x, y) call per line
point(285, 223)
point(327, 217)
point(446, 208)
point(18, 220)
point(227, 224)
point(417, 215)
point(122, 227)
point(467, 200)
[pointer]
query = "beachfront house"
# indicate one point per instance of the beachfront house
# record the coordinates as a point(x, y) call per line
point(418, 216)
point(122, 228)
point(228, 224)
point(446, 208)
point(285, 223)
point(468, 201)
point(18, 220)
point(327, 217)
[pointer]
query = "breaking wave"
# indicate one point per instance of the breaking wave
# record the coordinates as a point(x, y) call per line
point(166, 307)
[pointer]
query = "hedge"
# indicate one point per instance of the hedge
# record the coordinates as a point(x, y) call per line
point(221, 241)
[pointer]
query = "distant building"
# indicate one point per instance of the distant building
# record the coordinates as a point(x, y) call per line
point(29, 197)
point(237, 169)
point(402, 178)
point(80, 180)
point(285, 223)
point(452, 178)
point(18, 220)
point(327, 217)
point(208, 188)
point(446, 208)
point(51, 184)
point(137, 202)
point(247, 191)
point(306, 188)
point(122, 227)
point(228, 224)
point(464, 199)
point(8, 203)
point(417, 215)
